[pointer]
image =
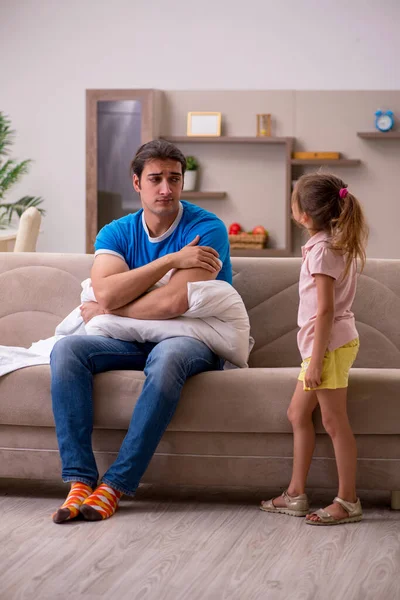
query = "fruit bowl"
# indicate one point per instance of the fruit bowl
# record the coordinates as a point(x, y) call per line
point(248, 240)
point(257, 238)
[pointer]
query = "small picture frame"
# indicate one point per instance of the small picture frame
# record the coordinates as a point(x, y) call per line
point(263, 125)
point(204, 124)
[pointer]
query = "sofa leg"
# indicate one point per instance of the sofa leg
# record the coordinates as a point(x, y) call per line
point(395, 501)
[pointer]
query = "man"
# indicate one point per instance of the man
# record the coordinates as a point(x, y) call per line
point(132, 254)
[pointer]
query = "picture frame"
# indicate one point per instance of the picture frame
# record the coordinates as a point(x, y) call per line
point(204, 124)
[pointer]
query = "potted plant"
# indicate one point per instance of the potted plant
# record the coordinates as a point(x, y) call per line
point(191, 174)
point(11, 172)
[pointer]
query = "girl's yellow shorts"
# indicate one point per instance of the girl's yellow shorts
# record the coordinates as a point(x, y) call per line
point(336, 367)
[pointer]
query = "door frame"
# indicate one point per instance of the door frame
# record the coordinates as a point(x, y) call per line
point(147, 100)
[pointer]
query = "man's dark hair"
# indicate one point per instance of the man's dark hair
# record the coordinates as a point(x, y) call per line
point(156, 150)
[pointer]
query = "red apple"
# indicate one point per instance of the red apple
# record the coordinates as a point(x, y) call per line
point(259, 229)
point(234, 229)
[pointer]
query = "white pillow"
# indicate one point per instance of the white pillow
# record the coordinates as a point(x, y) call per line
point(216, 316)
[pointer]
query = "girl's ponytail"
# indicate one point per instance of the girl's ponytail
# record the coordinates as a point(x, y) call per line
point(350, 230)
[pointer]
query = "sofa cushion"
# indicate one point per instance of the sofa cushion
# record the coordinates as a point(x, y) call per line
point(269, 288)
point(36, 292)
point(240, 400)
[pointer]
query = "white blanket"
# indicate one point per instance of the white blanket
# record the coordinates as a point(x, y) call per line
point(216, 316)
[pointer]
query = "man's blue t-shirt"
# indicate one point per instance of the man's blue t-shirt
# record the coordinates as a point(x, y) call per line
point(129, 238)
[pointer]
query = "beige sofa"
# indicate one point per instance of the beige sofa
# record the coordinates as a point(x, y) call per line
point(230, 427)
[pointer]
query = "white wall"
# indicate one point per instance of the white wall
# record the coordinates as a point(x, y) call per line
point(51, 51)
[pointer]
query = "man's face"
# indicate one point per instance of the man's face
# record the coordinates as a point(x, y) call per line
point(160, 186)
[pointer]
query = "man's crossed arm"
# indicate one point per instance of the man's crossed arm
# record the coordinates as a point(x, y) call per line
point(122, 292)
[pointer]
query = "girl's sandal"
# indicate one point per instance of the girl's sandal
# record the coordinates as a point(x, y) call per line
point(353, 510)
point(296, 506)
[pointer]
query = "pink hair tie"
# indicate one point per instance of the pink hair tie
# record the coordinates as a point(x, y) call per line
point(343, 193)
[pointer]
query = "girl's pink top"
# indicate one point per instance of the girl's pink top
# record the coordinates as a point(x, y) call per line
point(318, 257)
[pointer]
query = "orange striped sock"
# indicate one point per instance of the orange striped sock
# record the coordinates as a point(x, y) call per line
point(70, 509)
point(102, 504)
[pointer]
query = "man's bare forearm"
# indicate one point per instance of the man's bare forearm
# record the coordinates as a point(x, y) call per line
point(162, 303)
point(168, 301)
point(115, 286)
point(119, 290)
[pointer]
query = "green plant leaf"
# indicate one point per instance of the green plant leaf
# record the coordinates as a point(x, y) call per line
point(191, 163)
point(6, 168)
point(11, 172)
point(6, 135)
point(14, 174)
point(3, 221)
point(21, 205)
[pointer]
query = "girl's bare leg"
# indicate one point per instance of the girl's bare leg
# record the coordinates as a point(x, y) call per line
point(333, 404)
point(300, 412)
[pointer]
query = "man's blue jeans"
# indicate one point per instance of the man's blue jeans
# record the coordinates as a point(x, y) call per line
point(167, 365)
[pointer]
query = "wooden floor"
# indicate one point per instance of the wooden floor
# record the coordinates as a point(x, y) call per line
point(193, 545)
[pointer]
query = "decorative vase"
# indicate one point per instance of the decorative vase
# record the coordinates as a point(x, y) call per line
point(190, 181)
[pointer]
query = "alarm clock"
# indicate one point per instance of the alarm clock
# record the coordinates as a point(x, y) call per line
point(384, 120)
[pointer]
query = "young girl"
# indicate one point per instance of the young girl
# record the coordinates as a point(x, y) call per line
point(328, 342)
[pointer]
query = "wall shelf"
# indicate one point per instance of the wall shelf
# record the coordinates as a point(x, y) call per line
point(286, 143)
point(227, 140)
point(263, 252)
point(341, 162)
point(377, 135)
point(202, 195)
